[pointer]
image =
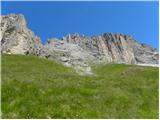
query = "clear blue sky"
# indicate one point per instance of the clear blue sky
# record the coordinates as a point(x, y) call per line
point(56, 19)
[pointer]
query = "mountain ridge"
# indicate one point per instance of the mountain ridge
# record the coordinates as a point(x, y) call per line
point(74, 50)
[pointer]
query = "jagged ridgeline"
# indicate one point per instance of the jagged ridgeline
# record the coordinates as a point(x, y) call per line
point(77, 51)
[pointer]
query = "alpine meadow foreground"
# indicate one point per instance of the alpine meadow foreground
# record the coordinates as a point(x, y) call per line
point(33, 87)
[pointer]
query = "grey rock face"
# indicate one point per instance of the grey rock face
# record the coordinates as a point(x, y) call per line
point(16, 38)
point(77, 51)
point(67, 53)
point(80, 51)
point(144, 54)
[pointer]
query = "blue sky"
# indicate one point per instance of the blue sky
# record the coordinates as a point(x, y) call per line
point(56, 19)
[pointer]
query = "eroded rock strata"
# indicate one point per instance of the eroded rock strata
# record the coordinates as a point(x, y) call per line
point(77, 51)
point(16, 38)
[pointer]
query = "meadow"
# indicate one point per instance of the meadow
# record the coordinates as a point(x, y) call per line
point(33, 87)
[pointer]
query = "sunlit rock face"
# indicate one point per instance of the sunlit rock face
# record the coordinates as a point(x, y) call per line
point(81, 52)
point(144, 54)
point(74, 50)
point(16, 38)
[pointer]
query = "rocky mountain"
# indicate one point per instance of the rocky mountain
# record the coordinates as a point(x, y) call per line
point(81, 52)
point(16, 38)
point(77, 51)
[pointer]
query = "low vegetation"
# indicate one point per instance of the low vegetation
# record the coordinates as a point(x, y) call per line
point(38, 88)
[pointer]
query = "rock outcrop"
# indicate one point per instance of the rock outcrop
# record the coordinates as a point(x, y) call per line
point(77, 51)
point(16, 38)
point(69, 54)
point(144, 54)
point(81, 52)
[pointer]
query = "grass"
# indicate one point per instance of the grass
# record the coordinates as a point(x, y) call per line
point(38, 88)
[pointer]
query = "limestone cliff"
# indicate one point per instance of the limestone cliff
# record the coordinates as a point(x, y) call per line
point(16, 38)
point(80, 51)
point(77, 51)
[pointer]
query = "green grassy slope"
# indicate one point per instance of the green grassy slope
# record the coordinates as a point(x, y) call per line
point(39, 88)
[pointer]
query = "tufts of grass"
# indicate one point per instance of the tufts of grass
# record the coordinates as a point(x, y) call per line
point(38, 88)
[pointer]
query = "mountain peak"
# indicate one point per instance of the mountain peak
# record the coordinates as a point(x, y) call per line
point(75, 50)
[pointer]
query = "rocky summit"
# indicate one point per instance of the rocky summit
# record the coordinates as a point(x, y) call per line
point(74, 50)
point(16, 38)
